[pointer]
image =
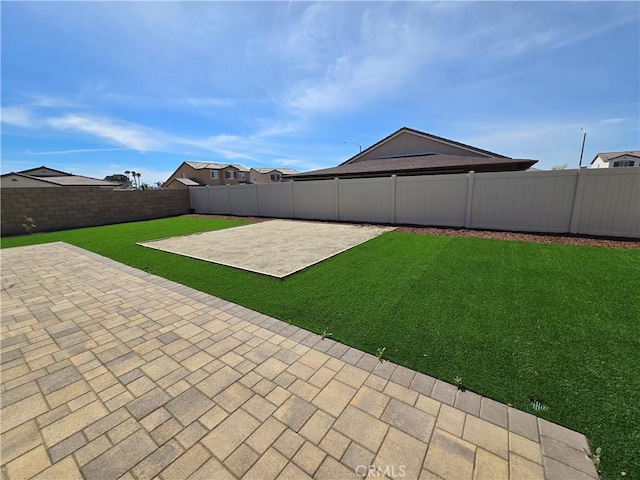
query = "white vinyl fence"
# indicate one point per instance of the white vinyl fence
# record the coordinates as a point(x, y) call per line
point(586, 201)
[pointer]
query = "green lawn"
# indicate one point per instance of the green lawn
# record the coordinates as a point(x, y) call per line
point(512, 319)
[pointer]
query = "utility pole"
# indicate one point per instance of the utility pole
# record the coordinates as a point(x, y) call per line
point(584, 138)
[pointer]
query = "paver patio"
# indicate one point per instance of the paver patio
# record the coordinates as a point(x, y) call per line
point(278, 248)
point(110, 372)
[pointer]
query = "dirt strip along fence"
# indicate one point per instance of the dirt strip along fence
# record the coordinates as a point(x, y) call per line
point(62, 208)
point(602, 202)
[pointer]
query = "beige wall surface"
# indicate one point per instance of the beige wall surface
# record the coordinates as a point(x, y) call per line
point(73, 207)
point(407, 143)
point(257, 177)
point(16, 181)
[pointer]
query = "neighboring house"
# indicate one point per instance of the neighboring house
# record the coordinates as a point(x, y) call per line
point(49, 177)
point(191, 174)
point(616, 159)
point(269, 175)
point(411, 152)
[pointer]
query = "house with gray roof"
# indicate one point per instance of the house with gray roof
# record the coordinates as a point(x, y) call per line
point(193, 174)
point(412, 152)
point(50, 177)
point(629, 158)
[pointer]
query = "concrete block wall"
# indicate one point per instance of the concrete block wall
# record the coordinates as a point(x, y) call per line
point(74, 207)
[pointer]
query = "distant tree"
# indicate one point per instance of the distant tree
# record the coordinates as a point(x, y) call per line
point(139, 180)
point(134, 180)
point(564, 166)
point(159, 184)
point(123, 180)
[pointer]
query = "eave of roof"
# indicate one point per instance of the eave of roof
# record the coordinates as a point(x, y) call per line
point(427, 163)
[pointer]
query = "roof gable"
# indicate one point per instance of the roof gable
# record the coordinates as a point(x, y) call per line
point(43, 171)
point(409, 142)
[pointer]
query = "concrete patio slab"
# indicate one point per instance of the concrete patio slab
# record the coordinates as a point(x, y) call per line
point(277, 248)
point(110, 372)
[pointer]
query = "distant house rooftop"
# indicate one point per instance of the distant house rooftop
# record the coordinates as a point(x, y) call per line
point(411, 152)
point(215, 166)
point(608, 156)
point(283, 171)
point(51, 176)
point(417, 165)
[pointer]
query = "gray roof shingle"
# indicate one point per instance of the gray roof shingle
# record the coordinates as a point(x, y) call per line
point(420, 163)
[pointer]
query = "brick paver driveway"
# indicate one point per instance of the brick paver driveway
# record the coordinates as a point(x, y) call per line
point(109, 372)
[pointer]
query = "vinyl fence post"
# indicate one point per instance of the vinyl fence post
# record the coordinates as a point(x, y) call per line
point(577, 200)
point(293, 212)
point(467, 218)
point(336, 213)
point(209, 202)
point(255, 191)
point(393, 198)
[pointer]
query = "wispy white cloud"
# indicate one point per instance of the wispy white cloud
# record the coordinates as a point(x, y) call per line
point(51, 101)
point(17, 115)
point(76, 150)
point(126, 134)
point(275, 128)
point(169, 101)
point(374, 59)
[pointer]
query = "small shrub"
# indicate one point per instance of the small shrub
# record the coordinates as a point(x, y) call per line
point(29, 225)
point(596, 457)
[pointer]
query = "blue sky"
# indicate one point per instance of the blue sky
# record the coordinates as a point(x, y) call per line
point(101, 87)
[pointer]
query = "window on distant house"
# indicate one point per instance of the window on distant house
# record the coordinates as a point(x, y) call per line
point(214, 175)
point(624, 163)
point(241, 176)
point(275, 177)
point(182, 175)
point(230, 174)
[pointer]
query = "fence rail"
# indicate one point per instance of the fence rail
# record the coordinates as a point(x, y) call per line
point(603, 202)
